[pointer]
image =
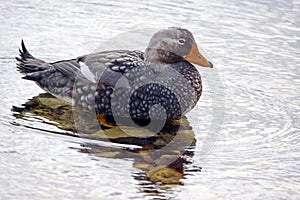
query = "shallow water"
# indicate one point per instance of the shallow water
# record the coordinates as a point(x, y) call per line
point(247, 140)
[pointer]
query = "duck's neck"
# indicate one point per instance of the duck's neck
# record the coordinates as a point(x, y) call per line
point(160, 56)
point(151, 56)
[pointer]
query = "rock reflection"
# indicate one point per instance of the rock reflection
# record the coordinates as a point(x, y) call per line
point(161, 156)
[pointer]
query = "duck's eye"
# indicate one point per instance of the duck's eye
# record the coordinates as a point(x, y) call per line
point(181, 41)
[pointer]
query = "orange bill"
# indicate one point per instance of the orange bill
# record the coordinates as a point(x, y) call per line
point(197, 58)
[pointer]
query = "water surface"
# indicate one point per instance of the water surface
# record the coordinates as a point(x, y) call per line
point(255, 48)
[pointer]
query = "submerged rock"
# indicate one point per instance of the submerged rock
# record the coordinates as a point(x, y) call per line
point(160, 154)
point(164, 175)
point(49, 107)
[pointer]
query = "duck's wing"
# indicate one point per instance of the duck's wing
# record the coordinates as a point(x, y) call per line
point(96, 66)
point(108, 70)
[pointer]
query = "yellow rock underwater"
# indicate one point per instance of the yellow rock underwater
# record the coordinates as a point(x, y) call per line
point(161, 155)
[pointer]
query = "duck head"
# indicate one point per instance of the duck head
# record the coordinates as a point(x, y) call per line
point(174, 45)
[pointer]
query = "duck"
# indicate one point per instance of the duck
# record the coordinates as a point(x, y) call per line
point(159, 83)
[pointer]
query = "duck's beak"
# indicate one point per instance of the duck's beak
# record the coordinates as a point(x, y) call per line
point(197, 58)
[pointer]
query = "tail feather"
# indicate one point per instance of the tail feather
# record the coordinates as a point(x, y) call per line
point(25, 53)
point(55, 78)
point(27, 63)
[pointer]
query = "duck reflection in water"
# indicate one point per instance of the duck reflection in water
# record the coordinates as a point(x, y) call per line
point(161, 156)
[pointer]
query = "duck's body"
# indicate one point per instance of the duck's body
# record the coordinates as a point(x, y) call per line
point(122, 83)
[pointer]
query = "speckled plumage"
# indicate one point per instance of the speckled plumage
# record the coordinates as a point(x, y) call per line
point(122, 83)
